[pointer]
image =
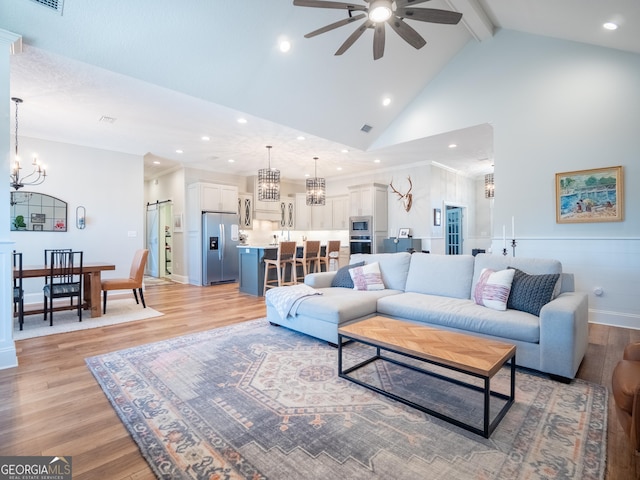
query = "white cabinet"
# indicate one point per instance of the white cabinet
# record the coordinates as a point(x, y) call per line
point(217, 198)
point(302, 213)
point(245, 211)
point(371, 200)
point(340, 212)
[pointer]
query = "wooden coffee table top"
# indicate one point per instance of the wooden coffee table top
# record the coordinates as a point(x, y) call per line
point(466, 352)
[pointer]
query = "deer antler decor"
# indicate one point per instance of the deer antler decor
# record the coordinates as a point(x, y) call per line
point(406, 198)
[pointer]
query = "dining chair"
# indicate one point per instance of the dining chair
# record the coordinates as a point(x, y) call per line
point(285, 255)
point(331, 254)
point(18, 291)
point(136, 275)
point(64, 280)
point(47, 259)
point(310, 257)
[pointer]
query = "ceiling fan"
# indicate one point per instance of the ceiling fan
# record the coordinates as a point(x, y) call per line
point(379, 12)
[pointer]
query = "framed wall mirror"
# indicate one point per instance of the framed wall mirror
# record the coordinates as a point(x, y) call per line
point(37, 212)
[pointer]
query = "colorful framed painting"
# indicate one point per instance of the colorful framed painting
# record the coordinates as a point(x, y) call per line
point(595, 195)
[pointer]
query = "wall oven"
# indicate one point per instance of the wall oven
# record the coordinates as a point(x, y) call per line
point(360, 234)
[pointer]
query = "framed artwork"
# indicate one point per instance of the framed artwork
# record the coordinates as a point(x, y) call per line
point(177, 222)
point(595, 195)
point(403, 233)
point(437, 217)
point(37, 227)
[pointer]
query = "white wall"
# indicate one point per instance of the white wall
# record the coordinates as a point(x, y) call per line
point(109, 185)
point(555, 106)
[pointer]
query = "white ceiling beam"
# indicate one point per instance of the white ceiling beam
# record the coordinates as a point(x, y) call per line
point(13, 39)
point(474, 18)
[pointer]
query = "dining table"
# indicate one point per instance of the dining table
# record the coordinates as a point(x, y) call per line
point(92, 283)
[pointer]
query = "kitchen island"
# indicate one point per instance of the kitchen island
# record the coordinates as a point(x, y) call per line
point(251, 266)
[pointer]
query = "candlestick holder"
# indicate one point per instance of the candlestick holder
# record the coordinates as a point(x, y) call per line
point(513, 246)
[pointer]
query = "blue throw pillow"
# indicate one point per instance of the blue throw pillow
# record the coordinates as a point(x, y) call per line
point(529, 293)
point(343, 278)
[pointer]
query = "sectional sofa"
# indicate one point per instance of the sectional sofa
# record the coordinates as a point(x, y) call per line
point(543, 315)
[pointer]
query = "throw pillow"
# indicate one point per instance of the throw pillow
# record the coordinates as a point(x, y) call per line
point(529, 293)
point(367, 277)
point(342, 277)
point(492, 289)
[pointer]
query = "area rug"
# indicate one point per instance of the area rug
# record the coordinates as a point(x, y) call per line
point(255, 401)
point(118, 311)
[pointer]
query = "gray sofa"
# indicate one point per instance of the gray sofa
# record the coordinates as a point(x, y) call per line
point(438, 290)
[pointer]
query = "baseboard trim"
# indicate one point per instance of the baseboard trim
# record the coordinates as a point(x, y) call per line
point(614, 319)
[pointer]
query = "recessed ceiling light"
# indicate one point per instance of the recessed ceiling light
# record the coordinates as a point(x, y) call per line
point(205, 138)
point(610, 26)
point(307, 175)
point(156, 162)
point(339, 168)
point(285, 46)
point(452, 145)
point(300, 137)
point(178, 151)
point(344, 150)
point(242, 120)
point(231, 160)
point(377, 160)
point(386, 101)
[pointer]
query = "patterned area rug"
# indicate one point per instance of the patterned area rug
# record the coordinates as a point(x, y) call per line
point(254, 401)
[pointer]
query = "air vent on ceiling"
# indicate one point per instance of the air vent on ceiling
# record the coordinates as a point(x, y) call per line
point(52, 4)
point(366, 128)
point(106, 119)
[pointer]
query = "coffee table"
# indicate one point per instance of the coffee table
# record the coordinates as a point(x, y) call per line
point(473, 356)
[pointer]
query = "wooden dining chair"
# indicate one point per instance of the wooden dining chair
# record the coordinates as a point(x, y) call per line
point(331, 254)
point(310, 257)
point(285, 256)
point(136, 275)
point(64, 280)
point(18, 291)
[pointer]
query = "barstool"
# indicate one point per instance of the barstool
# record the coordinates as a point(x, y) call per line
point(286, 256)
point(330, 259)
point(310, 255)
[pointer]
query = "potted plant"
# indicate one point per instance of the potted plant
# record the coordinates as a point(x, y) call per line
point(19, 223)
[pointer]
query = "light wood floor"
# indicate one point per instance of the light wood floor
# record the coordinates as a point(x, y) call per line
point(51, 405)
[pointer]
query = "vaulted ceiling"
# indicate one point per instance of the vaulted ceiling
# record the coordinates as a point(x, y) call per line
point(153, 77)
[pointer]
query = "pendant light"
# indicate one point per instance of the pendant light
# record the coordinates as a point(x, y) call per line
point(39, 173)
point(269, 182)
point(316, 188)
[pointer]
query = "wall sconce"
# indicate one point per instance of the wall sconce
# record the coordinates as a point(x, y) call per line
point(489, 187)
point(81, 214)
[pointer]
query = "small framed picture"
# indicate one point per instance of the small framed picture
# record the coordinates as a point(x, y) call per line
point(37, 227)
point(177, 222)
point(403, 233)
point(437, 217)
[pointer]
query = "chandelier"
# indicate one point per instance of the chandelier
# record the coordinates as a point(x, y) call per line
point(316, 188)
point(39, 173)
point(269, 182)
point(489, 188)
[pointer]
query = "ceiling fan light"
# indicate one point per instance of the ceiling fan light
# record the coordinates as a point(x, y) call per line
point(380, 11)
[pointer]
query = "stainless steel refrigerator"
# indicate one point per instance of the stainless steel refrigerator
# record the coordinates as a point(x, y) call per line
point(219, 241)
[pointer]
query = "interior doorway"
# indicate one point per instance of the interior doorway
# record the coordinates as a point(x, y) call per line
point(159, 239)
point(454, 230)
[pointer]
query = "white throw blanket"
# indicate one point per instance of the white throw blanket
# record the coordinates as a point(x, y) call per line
point(286, 299)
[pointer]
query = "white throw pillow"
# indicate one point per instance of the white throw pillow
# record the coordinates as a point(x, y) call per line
point(367, 277)
point(492, 289)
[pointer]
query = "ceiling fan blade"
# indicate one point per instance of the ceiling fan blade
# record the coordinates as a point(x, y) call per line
point(404, 3)
point(378, 41)
point(320, 4)
point(337, 24)
point(432, 15)
point(353, 37)
point(409, 35)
